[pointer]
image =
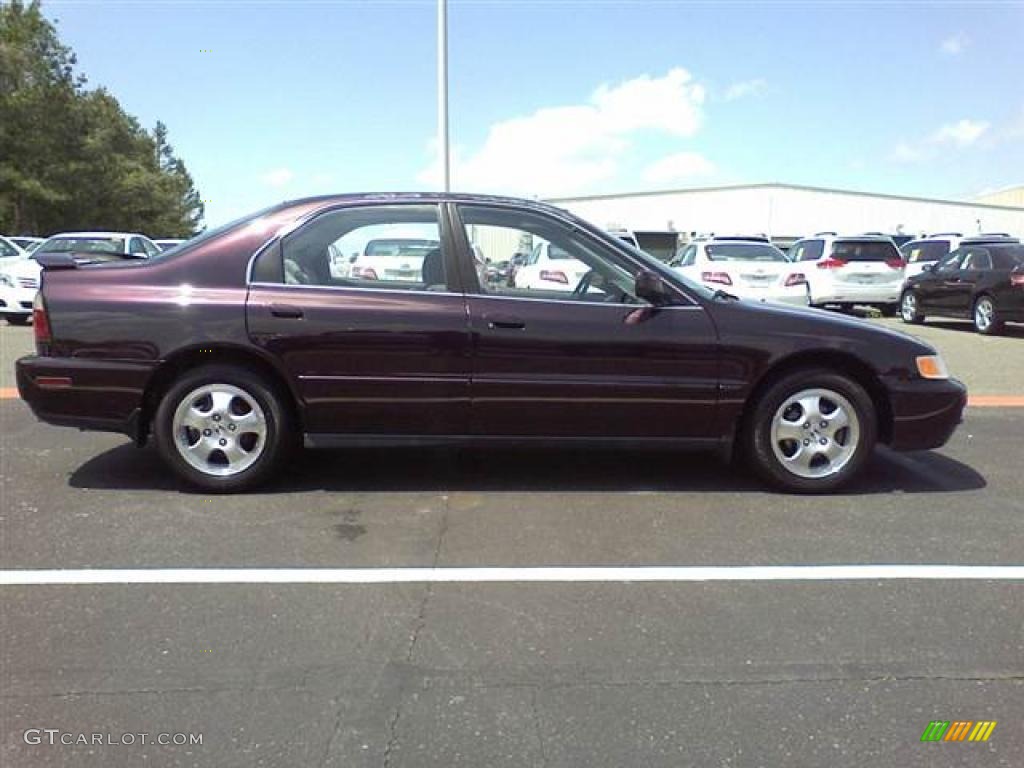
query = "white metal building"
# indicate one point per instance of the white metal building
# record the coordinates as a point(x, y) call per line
point(788, 211)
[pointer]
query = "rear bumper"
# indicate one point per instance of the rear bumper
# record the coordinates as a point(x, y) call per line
point(852, 293)
point(88, 394)
point(925, 413)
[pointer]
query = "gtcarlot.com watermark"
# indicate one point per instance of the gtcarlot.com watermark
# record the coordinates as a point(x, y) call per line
point(56, 737)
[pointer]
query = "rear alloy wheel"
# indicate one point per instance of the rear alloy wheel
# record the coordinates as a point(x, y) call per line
point(812, 431)
point(986, 318)
point(909, 311)
point(18, 319)
point(222, 428)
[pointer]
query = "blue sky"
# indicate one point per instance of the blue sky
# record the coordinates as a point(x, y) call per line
point(273, 100)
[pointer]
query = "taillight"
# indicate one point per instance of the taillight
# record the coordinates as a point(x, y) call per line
point(716, 277)
point(40, 322)
point(831, 263)
point(554, 276)
point(1017, 281)
point(797, 278)
point(894, 263)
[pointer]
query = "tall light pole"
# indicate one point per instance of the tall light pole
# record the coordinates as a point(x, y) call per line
point(442, 92)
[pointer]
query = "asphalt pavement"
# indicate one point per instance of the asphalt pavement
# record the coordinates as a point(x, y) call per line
point(835, 673)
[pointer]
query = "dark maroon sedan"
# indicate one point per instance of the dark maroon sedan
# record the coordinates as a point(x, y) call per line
point(249, 340)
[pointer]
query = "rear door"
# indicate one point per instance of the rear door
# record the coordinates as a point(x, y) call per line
point(368, 357)
point(594, 362)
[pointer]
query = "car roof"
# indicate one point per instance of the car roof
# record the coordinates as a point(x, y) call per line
point(419, 197)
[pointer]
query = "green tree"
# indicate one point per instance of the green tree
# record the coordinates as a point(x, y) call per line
point(71, 158)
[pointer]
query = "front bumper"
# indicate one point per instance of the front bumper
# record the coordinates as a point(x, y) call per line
point(16, 301)
point(925, 412)
point(88, 394)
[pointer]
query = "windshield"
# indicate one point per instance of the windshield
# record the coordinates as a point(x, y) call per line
point(7, 250)
point(83, 245)
point(864, 250)
point(744, 252)
point(400, 247)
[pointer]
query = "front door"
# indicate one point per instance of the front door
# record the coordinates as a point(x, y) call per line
point(384, 353)
point(582, 358)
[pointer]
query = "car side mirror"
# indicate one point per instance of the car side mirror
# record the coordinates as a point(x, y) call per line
point(650, 287)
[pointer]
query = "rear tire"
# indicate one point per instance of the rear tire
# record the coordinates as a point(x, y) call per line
point(910, 311)
point(18, 319)
point(986, 318)
point(811, 431)
point(223, 428)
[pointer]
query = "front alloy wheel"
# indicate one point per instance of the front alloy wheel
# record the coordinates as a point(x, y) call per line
point(811, 431)
point(909, 311)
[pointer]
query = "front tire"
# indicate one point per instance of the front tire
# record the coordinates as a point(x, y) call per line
point(910, 310)
point(223, 428)
point(18, 319)
point(811, 431)
point(985, 317)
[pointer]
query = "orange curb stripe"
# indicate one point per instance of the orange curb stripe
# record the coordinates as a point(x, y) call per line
point(975, 401)
point(996, 401)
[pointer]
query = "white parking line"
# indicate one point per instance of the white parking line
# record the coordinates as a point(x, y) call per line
point(608, 574)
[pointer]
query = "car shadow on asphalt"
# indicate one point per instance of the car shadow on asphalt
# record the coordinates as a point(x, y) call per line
point(534, 470)
point(1011, 330)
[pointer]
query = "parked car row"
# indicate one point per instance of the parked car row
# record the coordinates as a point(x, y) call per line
point(19, 268)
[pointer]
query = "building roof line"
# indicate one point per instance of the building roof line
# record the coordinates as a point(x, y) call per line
point(779, 185)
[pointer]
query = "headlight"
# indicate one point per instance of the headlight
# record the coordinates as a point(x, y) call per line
point(932, 367)
point(7, 280)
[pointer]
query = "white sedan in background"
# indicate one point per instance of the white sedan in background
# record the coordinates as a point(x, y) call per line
point(748, 267)
point(549, 268)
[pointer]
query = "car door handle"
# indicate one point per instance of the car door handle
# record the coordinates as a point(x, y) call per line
point(289, 311)
point(505, 322)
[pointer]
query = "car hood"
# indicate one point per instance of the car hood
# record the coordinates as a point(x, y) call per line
point(808, 327)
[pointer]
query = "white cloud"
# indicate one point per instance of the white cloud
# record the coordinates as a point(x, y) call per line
point(962, 133)
point(278, 177)
point(566, 149)
point(745, 88)
point(678, 167)
point(954, 45)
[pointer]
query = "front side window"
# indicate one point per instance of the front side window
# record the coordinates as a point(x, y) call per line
point(393, 247)
point(565, 264)
point(951, 263)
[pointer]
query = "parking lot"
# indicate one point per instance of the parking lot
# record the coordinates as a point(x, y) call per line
point(610, 672)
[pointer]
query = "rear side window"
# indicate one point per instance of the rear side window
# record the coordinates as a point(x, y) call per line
point(978, 259)
point(864, 250)
point(808, 250)
point(1008, 258)
point(916, 253)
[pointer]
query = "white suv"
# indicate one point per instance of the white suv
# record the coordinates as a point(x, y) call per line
point(749, 267)
point(848, 270)
point(934, 248)
point(549, 268)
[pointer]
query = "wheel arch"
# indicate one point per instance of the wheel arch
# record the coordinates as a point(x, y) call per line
point(830, 359)
point(192, 357)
